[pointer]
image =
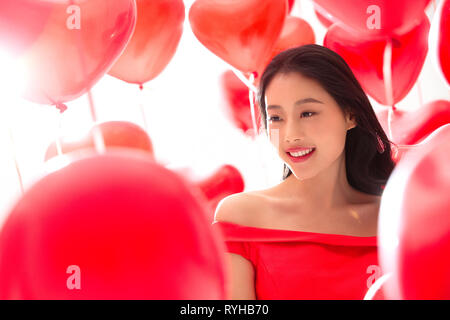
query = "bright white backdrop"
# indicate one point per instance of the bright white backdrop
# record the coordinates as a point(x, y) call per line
point(184, 110)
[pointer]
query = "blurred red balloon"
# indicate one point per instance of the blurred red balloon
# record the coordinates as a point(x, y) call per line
point(133, 228)
point(444, 42)
point(325, 19)
point(21, 22)
point(223, 182)
point(413, 127)
point(115, 134)
point(242, 33)
point(296, 32)
point(77, 46)
point(158, 31)
point(237, 103)
point(410, 127)
point(398, 16)
point(365, 57)
point(414, 222)
point(290, 5)
point(439, 38)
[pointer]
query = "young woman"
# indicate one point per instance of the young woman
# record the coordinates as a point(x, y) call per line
point(313, 236)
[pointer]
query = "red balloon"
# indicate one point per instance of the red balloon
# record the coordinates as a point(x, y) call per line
point(438, 40)
point(414, 223)
point(242, 33)
point(115, 134)
point(21, 22)
point(365, 58)
point(325, 19)
point(398, 16)
point(444, 43)
point(411, 127)
point(158, 31)
point(296, 32)
point(131, 228)
point(225, 181)
point(290, 5)
point(77, 46)
point(237, 104)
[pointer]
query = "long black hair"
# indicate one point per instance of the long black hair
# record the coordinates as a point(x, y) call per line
point(368, 157)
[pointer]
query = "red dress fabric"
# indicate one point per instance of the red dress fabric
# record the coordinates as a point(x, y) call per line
point(299, 265)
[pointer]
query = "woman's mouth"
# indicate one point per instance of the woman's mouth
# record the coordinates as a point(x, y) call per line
point(301, 156)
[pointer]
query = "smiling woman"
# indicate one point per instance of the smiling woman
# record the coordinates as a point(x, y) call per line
point(325, 91)
point(313, 236)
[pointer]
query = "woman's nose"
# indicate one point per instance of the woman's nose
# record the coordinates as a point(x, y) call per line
point(293, 133)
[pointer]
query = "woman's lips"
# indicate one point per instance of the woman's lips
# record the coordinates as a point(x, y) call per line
point(301, 158)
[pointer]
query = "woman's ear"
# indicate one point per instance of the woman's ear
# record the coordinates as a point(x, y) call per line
point(351, 121)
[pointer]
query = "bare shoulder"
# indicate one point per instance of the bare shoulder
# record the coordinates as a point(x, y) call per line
point(241, 208)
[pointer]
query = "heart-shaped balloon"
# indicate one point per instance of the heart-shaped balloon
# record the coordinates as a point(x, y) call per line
point(77, 46)
point(365, 58)
point(115, 134)
point(154, 42)
point(376, 17)
point(414, 223)
point(110, 226)
point(21, 22)
point(296, 32)
point(237, 103)
point(411, 127)
point(242, 33)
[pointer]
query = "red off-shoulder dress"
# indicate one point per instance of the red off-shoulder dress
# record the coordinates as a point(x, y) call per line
point(298, 265)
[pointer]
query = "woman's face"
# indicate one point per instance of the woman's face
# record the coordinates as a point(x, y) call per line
point(300, 113)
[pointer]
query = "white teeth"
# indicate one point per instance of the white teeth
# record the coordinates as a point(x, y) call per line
point(301, 153)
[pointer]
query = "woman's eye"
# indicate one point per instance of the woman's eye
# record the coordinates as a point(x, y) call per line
point(273, 119)
point(308, 113)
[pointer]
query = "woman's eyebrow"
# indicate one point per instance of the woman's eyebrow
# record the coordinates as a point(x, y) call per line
point(297, 103)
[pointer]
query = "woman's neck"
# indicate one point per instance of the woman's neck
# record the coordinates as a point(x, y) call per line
point(327, 190)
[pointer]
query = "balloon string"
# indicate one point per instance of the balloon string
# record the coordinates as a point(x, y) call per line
point(252, 105)
point(141, 107)
point(58, 136)
point(389, 122)
point(376, 286)
point(387, 76)
point(387, 72)
point(99, 141)
point(241, 77)
point(16, 163)
point(251, 96)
